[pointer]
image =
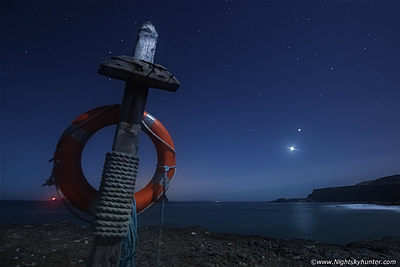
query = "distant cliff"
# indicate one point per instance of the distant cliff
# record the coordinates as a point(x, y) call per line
point(384, 190)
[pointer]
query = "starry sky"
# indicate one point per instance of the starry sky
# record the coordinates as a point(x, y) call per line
point(252, 74)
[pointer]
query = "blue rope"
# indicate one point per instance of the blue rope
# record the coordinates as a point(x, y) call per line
point(128, 248)
point(160, 231)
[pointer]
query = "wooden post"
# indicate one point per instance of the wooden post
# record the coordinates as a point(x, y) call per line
point(106, 251)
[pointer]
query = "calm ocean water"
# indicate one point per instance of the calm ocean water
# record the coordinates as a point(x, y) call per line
point(326, 222)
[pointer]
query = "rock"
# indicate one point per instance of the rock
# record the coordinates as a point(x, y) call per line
point(384, 190)
point(181, 249)
point(242, 255)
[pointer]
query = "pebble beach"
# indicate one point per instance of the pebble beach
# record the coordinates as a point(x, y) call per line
point(65, 244)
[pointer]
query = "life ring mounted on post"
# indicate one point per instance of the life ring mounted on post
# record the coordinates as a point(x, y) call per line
point(67, 171)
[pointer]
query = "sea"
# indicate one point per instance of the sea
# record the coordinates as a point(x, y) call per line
point(333, 223)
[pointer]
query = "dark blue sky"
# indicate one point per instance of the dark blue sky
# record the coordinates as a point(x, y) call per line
point(252, 73)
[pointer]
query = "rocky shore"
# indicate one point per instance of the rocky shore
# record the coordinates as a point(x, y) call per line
point(65, 244)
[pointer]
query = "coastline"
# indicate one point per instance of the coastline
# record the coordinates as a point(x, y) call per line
point(306, 200)
point(64, 244)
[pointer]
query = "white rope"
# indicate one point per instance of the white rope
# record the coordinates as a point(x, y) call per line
point(114, 209)
point(156, 136)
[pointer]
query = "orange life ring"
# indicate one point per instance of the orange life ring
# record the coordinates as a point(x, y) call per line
point(68, 174)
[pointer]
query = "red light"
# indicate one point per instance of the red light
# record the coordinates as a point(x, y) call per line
point(53, 198)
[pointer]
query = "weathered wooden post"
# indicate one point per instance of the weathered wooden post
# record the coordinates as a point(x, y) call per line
point(115, 198)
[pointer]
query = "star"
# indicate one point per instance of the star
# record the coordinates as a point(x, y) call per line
point(299, 130)
point(292, 148)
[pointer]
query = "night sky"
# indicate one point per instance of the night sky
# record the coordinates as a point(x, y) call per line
point(252, 74)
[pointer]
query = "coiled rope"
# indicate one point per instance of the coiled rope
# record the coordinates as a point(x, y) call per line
point(114, 209)
point(116, 214)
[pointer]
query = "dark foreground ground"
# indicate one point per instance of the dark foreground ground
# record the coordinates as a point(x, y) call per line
point(64, 244)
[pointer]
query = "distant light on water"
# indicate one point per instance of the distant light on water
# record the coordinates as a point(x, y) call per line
point(370, 207)
point(53, 198)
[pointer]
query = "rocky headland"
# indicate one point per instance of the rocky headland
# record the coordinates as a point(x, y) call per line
point(385, 191)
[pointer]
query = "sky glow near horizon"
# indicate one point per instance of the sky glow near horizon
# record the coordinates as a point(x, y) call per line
point(256, 79)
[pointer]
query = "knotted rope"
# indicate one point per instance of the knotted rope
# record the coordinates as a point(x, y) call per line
point(114, 209)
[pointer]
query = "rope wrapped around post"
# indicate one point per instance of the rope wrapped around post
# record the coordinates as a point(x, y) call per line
point(114, 209)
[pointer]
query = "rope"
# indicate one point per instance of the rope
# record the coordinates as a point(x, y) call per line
point(114, 213)
point(166, 168)
point(156, 136)
point(130, 242)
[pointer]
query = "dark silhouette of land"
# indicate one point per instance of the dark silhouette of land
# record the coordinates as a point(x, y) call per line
point(385, 190)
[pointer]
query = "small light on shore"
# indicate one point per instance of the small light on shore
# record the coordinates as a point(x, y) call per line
point(53, 198)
